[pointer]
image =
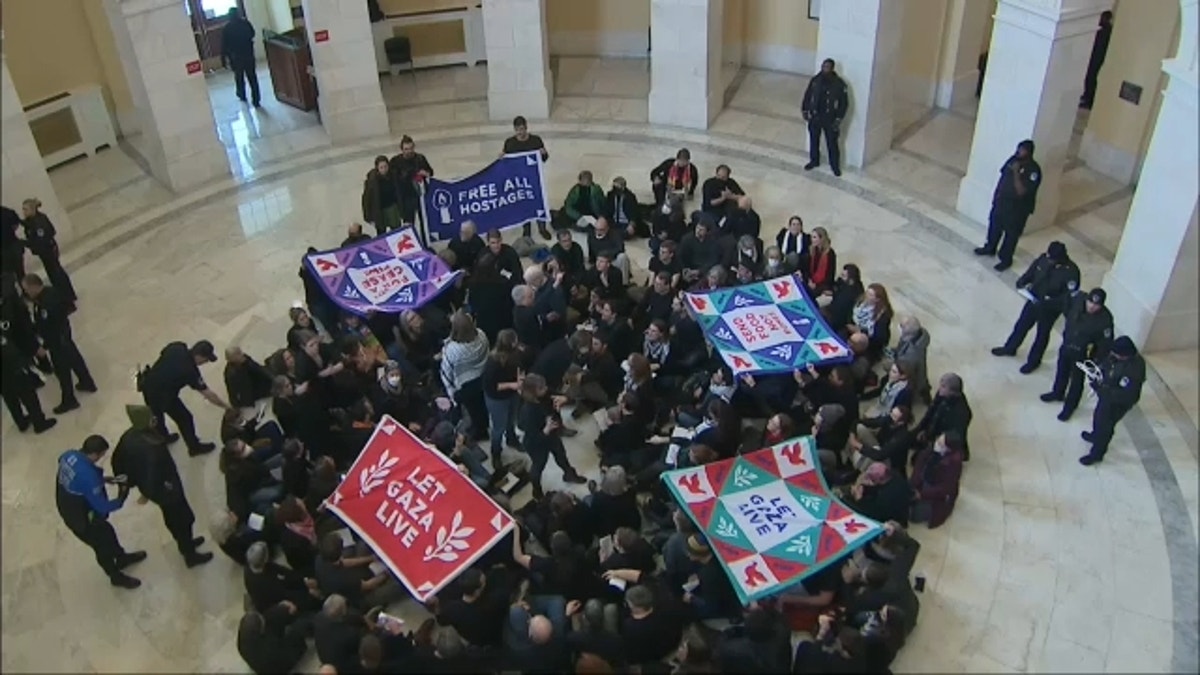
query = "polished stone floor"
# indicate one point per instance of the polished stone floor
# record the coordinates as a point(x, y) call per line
point(1044, 566)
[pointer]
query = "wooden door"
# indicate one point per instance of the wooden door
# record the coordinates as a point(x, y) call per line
point(208, 18)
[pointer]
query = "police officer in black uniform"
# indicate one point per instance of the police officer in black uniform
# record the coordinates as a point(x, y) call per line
point(1012, 203)
point(1086, 336)
point(825, 102)
point(50, 318)
point(1051, 280)
point(1123, 372)
point(84, 506)
point(143, 457)
point(39, 239)
point(12, 249)
point(178, 367)
point(18, 386)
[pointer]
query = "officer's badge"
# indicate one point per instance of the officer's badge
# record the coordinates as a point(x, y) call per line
point(1072, 285)
point(1033, 176)
point(1107, 332)
point(45, 314)
point(1124, 381)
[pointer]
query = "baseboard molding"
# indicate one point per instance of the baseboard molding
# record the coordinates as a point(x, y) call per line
point(1103, 158)
point(612, 44)
point(780, 58)
point(950, 94)
point(128, 123)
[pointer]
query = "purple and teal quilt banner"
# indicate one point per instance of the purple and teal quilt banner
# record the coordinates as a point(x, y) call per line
point(769, 516)
point(390, 273)
point(767, 327)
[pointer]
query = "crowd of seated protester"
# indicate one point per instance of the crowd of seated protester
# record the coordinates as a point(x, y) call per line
point(609, 575)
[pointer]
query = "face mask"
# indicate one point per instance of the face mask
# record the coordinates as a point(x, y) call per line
point(772, 262)
point(748, 251)
point(393, 381)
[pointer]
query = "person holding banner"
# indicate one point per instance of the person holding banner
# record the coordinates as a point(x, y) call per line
point(523, 141)
point(411, 168)
point(381, 197)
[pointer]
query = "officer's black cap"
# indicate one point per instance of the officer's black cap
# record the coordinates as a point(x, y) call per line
point(205, 349)
point(1097, 295)
point(1123, 347)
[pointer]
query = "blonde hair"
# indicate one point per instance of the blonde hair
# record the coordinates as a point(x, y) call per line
point(826, 242)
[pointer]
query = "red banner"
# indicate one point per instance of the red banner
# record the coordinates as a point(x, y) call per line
point(424, 519)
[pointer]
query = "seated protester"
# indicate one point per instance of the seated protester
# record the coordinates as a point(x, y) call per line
point(744, 274)
point(761, 645)
point(630, 552)
point(743, 221)
point(324, 482)
point(937, 471)
point(949, 411)
point(881, 494)
point(271, 642)
point(774, 264)
point(677, 175)
point(883, 439)
point(895, 587)
point(862, 376)
point(622, 210)
point(803, 603)
point(394, 396)
point(655, 304)
point(266, 438)
point(352, 326)
point(780, 427)
point(316, 363)
point(583, 205)
point(249, 486)
point(268, 583)
point(569, 514)
point(895, 391)
point(703, 388)
point(695, 653)
point(723, 433)
point(689, 350)
point(357, 377)
point(444, 651)
point(709, 594)
point(604, 279)
point(652, 627)
point(639, 391)
point(421, 341)
point(301, 414)
point(297, 468)
point(793, 242)
point(837, 303)
point(828, 433)
point(538, 644)
point(246, 380)
point(479, 613)
point(678, 567)
point(603, 240)
point(749, 253)
point(912, 350)
point(337, 630)
point(454, 441)
point(873, 318)
point(386, 649)
point(356, 429)
point(614, 328)
point(569, 257)
point(351, 577)
point(614, 504)
point(668, 222)
point(719, 193)
point(716, 277)
point(567, 572)
point(604, 370)
point(234, 538)
point(583, 391)
point(864, 643)
point(820, 266)
point(834, 387)
point(595, 639)
point(302, 321)
point(699, 252)
point(622, 441)
point(466, 247)
point(283, 362)
point(549, 302)
point(297, 535)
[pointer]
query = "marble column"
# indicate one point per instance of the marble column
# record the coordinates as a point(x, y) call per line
point(518, 59)
point(177, 133)
point(1152, 283)
point(863, 38)
point(962, 42)
point(1039, 52)
point(343, 54)
point(24, 174)
point(686, 89)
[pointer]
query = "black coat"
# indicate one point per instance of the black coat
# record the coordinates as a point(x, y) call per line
point(276, 649)
point(826, 98)
point(143, 456)
point(247, 382)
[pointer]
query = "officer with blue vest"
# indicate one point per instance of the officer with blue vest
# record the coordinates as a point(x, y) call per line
point(84, 505)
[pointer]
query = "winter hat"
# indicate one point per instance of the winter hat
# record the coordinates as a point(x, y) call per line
point(1123, 347)
point(140, 416)
point(831, 414)
point(1057, 250)
point(1097, 295)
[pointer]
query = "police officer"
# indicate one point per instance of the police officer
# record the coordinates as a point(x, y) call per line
point(50, 318)
point(178, 367)
point(1012, 203)
point(143, 457)
point(1086, 336)
point(825, 102)
point(84, 506)
point(12, 249)
point(39, 239)
point(1050, 280)
point(18, 386)
point(1122, 374)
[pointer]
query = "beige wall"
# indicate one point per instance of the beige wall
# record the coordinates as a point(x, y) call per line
point(279, 15)
point(920, 50)
point(1118, 131)
point(619, 28)
point(779, 36)
point(733, 29)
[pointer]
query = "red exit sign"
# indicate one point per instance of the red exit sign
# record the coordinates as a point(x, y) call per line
point(193, 67)
point(321, 36)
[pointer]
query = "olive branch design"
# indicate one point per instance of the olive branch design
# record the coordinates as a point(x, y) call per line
point(373, 476)
point(449, 543)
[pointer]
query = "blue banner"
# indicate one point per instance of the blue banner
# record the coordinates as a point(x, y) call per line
point(510, 191)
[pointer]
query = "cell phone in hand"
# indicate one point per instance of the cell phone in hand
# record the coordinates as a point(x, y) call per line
point(388, 622)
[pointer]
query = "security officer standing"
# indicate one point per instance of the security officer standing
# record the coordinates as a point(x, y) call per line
point(18, 386)
point(178, 367)
point(824, 107)
point(1050, 280)
point(39, 239)
point(1122, 374)
point(84, 506)
point(1012, 203)
point(1086, 336)
point(143, 457)
point(50, 318)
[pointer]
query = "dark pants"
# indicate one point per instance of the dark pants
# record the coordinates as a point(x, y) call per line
point(178, 517)
point(21, 398)
point(527, 228)
point(164, 407)
point(1007, 224)
point(816, 127)
point(1089, 86)
point(1068, 378)
point(102, 538)
point(242, 73)
point(1104, 423)
point(541, 454)
point(502, 413)
point(67, 362)
point(1033, 315)
point(57, 275)
point(470, 397)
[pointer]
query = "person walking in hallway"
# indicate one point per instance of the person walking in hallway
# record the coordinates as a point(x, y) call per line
point(1012, 203)
point(237, 53)
point(1096, 60)
point(824, 107)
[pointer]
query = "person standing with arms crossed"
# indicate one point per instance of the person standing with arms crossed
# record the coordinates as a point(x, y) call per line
point(1012, 203)
point(237, 52)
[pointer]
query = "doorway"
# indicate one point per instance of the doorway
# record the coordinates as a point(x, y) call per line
point(208, 18)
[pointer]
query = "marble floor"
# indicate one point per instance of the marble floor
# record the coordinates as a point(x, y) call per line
point(1044, 566)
